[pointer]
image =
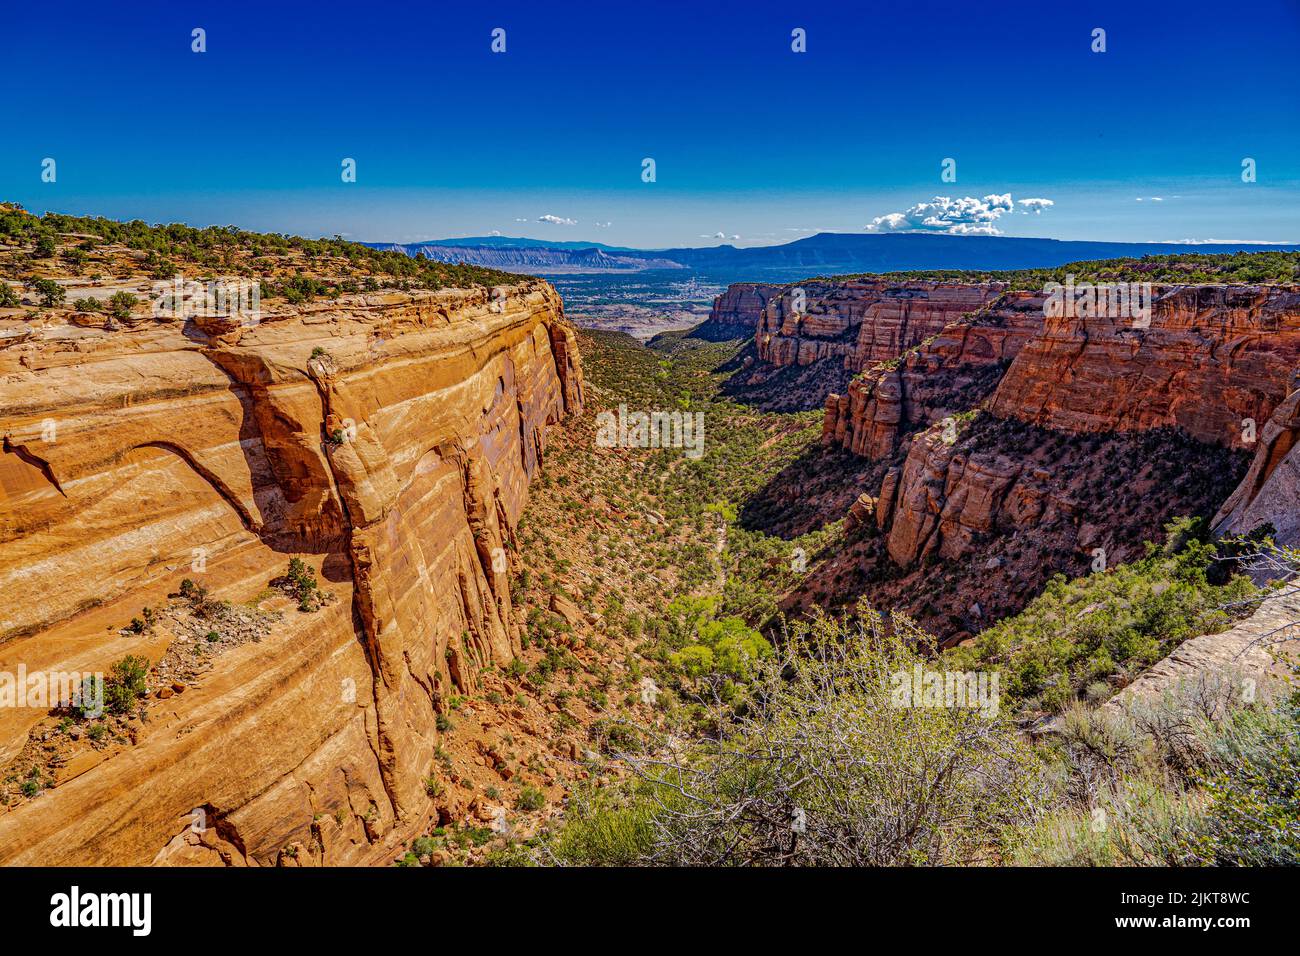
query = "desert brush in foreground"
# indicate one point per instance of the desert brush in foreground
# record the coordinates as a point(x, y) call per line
point(822, 766)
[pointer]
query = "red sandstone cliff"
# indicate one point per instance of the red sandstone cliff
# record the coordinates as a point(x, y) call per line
point(860, 321)
point(388, 439)
point(949, 373)
point(1215, 363)
point(736, 311)
point(1270, 492)
point(1093, 433)
point(1213, 357)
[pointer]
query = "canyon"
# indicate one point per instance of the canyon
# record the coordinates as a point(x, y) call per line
point(1008, 445)
point(379, 568)
point(386, 440)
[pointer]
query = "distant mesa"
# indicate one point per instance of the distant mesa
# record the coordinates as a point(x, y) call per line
point(825, 254)
point(541, 259)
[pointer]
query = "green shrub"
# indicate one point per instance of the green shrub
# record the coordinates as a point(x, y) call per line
point(32, 785)
point(300, 582)
point(50, 292)
point(1106, 625)
point(1236, 804)
point(822, 766)
point(608, 828)
point(721, 651)
point(423, 846)
point(1142, 820)
point(126, 684)
point(1253, 812)
point(120, 305)
point(530, 798)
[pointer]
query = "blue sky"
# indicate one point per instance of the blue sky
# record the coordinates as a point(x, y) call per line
point(750, 139)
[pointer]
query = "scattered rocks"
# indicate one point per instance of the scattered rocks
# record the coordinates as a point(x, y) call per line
point(572, 614)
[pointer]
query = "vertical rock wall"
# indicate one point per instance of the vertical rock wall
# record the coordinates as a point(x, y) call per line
point(388, 440)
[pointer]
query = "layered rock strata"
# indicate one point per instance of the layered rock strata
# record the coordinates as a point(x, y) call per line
point(1214, 362)
point(857, 322)
point(947, 374)
point(1215, 365)
point(386, 439)
point(736, 311)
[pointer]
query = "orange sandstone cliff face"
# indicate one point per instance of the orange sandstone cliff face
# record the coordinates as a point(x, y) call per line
point(1214, 365)
point(1009, 445)
point(736, 312)
point(1212, 358)
point(388, 439)
point(812, 337)
point(951, 372)
point(860, 321)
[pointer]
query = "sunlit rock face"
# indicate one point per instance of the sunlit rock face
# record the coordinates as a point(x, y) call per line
point(861, 321)
point(388, 440)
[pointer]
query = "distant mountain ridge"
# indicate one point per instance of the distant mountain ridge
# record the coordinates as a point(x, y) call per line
point(521, 242)
point(535, 259)
point(826, 253)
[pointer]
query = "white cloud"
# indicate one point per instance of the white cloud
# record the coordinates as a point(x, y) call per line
point(602, 225)
point(718, 235)
point(1036, 206)
point(557, 220)
point(963, 216)
point(1152, 198)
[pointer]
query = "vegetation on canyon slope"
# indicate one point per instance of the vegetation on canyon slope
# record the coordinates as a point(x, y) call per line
point(653, 585)
point(820, 768)
point(824, 769)
point(1199, 779)
point(1091, 635)
point(675, 572)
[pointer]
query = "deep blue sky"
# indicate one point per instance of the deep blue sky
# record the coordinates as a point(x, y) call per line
point(750, 139)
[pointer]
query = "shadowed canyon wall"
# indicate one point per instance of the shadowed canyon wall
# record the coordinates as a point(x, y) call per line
point(736, 311)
